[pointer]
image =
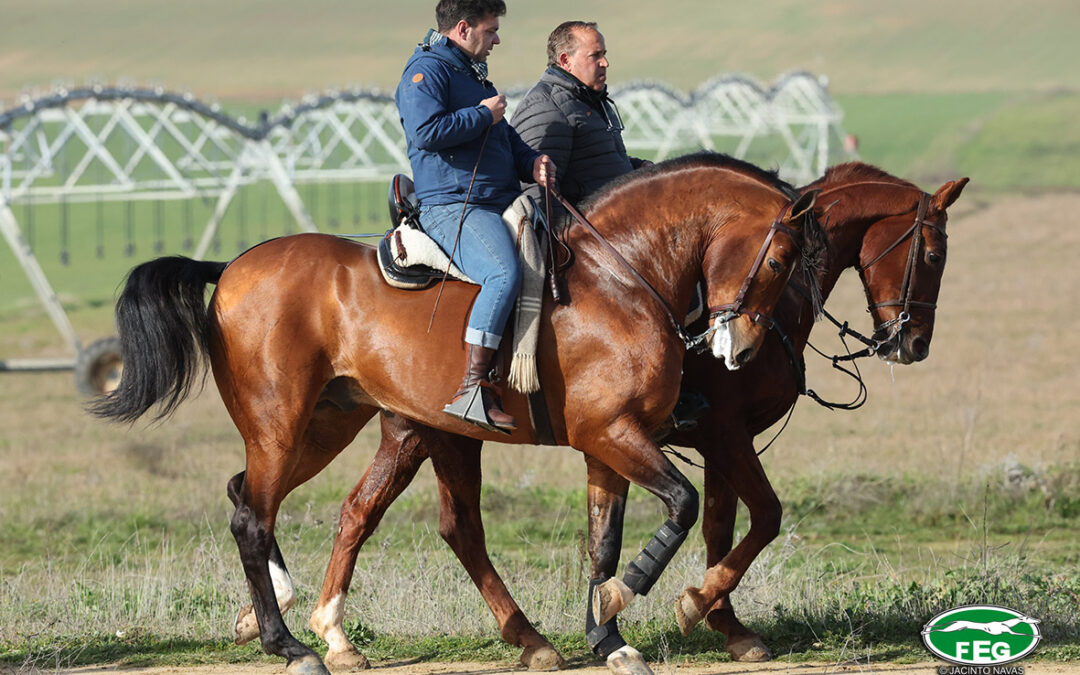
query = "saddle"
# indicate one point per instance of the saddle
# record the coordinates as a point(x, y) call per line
point(409, 259)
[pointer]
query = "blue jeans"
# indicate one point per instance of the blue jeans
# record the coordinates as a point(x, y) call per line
point(487, 253)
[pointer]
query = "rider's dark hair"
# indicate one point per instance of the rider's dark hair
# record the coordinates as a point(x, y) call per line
point(564, 39)
point(449, 12)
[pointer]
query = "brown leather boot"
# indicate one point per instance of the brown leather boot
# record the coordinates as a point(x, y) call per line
point(477, 399)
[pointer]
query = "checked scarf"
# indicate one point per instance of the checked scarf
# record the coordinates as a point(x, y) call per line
point(479, 70)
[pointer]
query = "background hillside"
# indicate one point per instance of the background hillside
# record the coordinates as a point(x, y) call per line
point(932, 89)
point(265, 49)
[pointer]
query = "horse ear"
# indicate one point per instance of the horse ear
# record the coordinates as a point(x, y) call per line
point(948, 193)
point(800, 206)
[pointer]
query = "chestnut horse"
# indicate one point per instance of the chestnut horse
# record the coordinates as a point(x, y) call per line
point(307, 344)
point(885, 227)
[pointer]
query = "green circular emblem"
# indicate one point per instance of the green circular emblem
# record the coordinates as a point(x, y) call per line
point(983, 635)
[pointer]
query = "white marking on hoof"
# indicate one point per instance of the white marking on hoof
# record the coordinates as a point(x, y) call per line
point(246, 626)
point(327, 622)
point(628, 661)
point(610, 598)
point(284, 589)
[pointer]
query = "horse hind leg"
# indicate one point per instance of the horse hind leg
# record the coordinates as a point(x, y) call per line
point(272, 473)
point(246, 626)
point(394, 466)
point(253, 526)
point(456, 461)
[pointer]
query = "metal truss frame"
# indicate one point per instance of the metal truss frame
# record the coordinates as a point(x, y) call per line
point(121, 143)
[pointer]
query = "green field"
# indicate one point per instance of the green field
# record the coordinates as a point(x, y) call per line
point(959, 481)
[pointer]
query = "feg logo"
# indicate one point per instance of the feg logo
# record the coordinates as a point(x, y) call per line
point(984, 635)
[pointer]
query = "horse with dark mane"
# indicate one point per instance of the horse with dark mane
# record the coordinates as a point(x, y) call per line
point(307, 344)
point(885, 227)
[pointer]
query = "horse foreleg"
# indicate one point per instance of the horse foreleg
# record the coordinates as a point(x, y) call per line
point(246, 627)
point(394, 466)
point(628, 450)
point(744, 470)
point(607, 506)
point(718, 528)
point(456, 461)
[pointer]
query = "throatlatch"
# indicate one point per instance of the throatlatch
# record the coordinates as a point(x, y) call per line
point(603, 639)
point(644, 570)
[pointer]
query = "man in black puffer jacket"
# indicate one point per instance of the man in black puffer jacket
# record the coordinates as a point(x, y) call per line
point(569, 117)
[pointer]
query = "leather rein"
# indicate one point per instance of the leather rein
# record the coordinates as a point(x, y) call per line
point(722, 313)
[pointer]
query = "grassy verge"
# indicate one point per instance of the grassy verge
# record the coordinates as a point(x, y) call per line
point(843, 580)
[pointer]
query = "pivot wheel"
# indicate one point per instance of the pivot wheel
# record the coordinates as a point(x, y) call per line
point(98, 367)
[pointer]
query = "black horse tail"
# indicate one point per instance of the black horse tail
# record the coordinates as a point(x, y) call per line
point(164, 334)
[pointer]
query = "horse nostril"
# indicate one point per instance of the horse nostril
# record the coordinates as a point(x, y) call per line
point(743, 357)
point(920, 348)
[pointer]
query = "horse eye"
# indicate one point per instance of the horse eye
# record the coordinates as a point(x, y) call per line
point(775, 265)
point(934, 258)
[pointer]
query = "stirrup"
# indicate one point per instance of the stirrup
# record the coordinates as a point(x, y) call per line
point(690, 407)
point(469, 406)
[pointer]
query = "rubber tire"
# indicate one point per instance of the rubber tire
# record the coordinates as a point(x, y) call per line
point(98, 367)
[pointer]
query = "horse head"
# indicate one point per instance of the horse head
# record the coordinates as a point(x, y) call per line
point(901, 263)
point(739, 327)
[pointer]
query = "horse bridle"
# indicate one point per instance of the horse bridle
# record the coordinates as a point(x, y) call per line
point(730, 310)
point(907, 285)
point(723, 313)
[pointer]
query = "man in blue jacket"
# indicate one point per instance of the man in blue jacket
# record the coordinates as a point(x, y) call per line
point(467, 164)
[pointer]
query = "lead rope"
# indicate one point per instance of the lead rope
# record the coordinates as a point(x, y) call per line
point(461, 222)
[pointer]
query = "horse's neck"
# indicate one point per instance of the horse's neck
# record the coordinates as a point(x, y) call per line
point(665, 246)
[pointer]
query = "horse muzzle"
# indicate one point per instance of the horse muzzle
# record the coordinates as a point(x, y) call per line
point(736, 340)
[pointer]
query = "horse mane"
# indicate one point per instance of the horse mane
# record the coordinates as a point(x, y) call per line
point(704, 160)
point(815, 240)
point(855, 172)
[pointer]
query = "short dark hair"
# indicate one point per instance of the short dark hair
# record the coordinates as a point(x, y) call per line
point(562, 39)
point(449, 12)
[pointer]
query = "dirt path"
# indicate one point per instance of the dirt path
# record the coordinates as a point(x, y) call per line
point(466, 668)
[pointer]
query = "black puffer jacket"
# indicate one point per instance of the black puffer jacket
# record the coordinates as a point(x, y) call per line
point(573, 124)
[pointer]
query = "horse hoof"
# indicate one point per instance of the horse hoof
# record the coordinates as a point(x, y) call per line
point(610, 598)
point(686, 612)
point(544, 657)
point(246, 627)
point(348, 660)
point(748, 649)
point(306, 665)
point(628, 661)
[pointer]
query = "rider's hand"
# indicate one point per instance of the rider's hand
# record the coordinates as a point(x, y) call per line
point(497, 105)
point(544, 171)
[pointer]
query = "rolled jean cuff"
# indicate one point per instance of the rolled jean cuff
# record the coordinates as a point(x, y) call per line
point(478, 337)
